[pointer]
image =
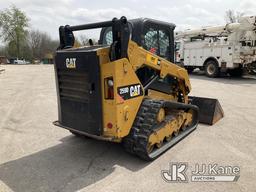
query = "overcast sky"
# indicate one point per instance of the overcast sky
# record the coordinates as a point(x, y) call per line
point(48, 15)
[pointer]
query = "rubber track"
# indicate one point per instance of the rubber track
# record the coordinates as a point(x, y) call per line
point(143, 126)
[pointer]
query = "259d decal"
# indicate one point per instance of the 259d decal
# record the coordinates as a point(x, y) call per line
point(130, 91)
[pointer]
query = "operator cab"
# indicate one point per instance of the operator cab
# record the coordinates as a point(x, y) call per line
point(154, 36)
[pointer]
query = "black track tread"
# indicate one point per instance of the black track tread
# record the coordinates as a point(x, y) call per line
point(136, 141)
point(144, 125)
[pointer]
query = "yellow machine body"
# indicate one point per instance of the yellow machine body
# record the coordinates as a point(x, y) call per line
point(122, 113)
point(101, 94)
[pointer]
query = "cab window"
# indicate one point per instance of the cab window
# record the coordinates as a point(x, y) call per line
point(164, 43)
point(108, 37)
point(157, 41)
point(151, 41)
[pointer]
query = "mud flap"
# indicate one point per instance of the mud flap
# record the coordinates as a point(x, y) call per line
point(210, 110)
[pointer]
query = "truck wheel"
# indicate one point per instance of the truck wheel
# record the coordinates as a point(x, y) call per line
point(237, 72)
point(211, 69)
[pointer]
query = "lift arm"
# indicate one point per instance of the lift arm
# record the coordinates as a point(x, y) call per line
point(139, 57)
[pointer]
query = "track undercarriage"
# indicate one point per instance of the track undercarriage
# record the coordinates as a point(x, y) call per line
point(158, 126)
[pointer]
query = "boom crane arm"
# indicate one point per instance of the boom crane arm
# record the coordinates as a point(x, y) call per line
point(247, 23)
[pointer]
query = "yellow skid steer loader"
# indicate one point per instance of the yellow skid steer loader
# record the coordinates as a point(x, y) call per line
point(126, 87)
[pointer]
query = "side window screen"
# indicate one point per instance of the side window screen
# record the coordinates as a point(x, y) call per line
point(151, 41)
point(108, 38)
point(164, 43)
point(157, 41)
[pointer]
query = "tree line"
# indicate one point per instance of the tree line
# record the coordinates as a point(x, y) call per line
point(19, 41)
point(24, 43)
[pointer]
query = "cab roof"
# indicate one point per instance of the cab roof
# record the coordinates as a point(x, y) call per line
point(143, 20)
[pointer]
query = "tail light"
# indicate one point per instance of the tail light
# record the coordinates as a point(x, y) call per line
point(109, 88)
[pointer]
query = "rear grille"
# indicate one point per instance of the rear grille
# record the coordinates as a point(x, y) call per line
point(73, 85)
point(79, 91)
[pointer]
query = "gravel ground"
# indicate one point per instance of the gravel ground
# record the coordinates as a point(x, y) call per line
point(37, 156)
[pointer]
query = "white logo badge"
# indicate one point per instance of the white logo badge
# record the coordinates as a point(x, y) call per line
point(71, 63)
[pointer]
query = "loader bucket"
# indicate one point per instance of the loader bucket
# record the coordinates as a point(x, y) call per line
point(210, 110)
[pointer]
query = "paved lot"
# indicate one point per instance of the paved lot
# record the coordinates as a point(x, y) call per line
point(37, 156)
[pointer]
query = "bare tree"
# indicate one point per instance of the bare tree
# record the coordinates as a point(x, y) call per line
point(47, 45)
point(41, 44)
point(34, 41)
point(83, 40)
point(232, 16)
